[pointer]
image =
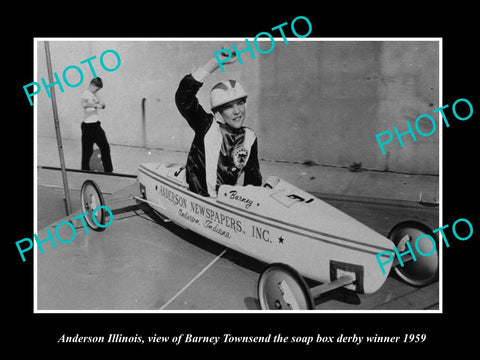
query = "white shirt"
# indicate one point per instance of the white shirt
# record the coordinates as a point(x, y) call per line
point(90, 113)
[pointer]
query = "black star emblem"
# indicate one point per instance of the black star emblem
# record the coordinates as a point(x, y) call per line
point(280, 240)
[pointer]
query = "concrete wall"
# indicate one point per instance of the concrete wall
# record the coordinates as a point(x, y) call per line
point(322, 101)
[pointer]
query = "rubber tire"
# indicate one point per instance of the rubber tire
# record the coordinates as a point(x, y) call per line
point(99, 196)
point(306, 301)
point(407, 273)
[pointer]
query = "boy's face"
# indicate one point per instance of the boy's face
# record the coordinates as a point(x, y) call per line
point(234, 113)
point(94, 89)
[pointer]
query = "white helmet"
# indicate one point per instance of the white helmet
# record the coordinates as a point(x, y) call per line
point(224, 92)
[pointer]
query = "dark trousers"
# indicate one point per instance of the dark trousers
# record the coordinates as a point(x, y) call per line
point(92, 133)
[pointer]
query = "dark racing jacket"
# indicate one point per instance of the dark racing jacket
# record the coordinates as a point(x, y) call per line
point(219, 153)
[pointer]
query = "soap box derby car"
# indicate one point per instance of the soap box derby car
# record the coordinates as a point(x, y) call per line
point(298, 235)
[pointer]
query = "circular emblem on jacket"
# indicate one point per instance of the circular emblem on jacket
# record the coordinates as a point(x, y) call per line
point(239, 157)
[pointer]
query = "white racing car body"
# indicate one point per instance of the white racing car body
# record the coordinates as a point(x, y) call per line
point(276, 223)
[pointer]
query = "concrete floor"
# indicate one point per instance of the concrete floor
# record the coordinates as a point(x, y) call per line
point(138, 263)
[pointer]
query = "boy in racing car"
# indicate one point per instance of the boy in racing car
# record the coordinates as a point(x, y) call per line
point(222, 147)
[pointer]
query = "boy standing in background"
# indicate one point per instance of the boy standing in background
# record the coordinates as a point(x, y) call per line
point(92, 132)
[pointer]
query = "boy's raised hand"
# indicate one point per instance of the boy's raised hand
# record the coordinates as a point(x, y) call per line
point(225, 55)
point(228, 55)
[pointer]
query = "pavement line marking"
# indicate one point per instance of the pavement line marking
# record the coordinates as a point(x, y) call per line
point(193, 280)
